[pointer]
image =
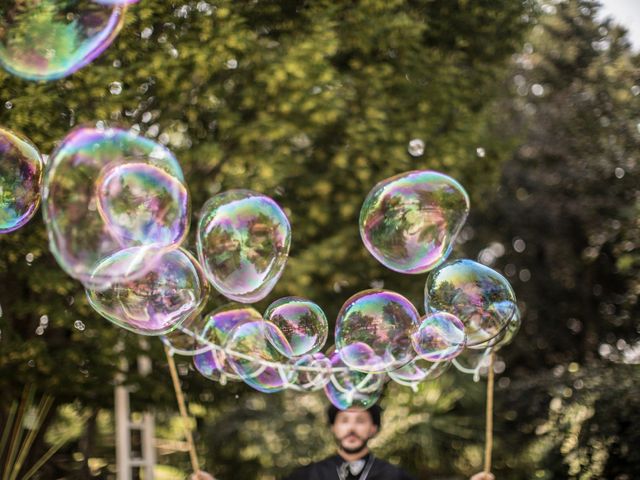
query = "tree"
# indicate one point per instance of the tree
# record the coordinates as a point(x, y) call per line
point(309, 102)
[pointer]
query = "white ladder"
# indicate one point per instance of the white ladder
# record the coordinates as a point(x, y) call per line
point(134, 465)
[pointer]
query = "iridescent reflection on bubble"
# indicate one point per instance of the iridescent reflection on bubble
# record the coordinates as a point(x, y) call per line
point(479, 296)
point(173, 290)
point(409, 222)
point(296, 326)
point(50, 39)
point(218, 326)
point(142, 203)
point(250, 356)
point(373, 331)
point(243, 242)
point(440, 337)
point(349, 388)
point(20, 180)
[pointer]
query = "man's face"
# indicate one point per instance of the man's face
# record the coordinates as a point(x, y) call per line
point(352, 429)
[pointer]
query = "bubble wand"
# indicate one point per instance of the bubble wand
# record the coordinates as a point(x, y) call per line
point(489, 422)
point(183, 410)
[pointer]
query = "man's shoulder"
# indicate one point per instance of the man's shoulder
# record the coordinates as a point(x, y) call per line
point(386, 470)
point(308, 471)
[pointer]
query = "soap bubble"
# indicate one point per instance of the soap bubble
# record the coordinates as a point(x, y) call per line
point(440, 337)
point(169, 293)
point(50, 39)
point(20, 180)
point(218, 326)
point(409, 222)
point(143, 204)
point(107, 190)
point(349, 388)
point(254, 359)
point(296, 326)
point(418, 370)
point(243, 242)
point(505, 337)
point(373, 331)
point(479, 296)
point(310, 372)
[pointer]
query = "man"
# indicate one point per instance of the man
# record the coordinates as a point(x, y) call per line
point(352, 429)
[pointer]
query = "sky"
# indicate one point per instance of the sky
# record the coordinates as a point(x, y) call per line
point(626, 13)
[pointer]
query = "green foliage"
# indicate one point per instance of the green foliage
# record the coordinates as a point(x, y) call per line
point(313, 103)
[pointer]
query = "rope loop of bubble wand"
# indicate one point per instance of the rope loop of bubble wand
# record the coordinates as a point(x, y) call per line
point(193, 455)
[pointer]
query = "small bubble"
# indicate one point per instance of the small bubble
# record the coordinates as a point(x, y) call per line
point(44, 320)
point(115, 88)
point(8, 105)
point(71, 300)
point(78, 324)
point(525, 275)
point(416, 147)
point(231, 64)
point(146, 117)
point(635, 90)
point(29, 258)
point(146, 33)
point(537, 89)
point(480, 152)
point(519, 245)
point(40, 330)
point(117, 63)
point(619, 172)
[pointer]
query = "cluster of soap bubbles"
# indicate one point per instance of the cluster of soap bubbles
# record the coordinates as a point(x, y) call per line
point(117, 210)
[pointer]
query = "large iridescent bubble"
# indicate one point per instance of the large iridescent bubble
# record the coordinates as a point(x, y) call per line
point(479, 296)
point(373, 331)
point(441, 336)
point(349, 388)
point(296, 326)
point(243, 242)
point(172, 291)
point(20, 180)
point(254, 359)
point(218, 326)
point(107, 190)
point(417, 371)
point(409, 222)
point(50, 39)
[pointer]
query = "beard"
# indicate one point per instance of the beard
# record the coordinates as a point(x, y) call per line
point(352, 450)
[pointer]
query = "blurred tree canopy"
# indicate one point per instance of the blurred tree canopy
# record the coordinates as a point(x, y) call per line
point(532, 106)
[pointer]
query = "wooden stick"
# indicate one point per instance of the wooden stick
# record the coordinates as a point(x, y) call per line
point(183, 410)
point(489, 425)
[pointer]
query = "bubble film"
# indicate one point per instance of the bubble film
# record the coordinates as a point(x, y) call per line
point(218, 326)
point(107, 190)
point(186, 338)
point(243, 242)
point(348, 388)
point(301, 326)
point(143, 204)
point(373, 331)
point(409, 222)
point(440, 337)
point(248, 350)
point(418, 370)
point(479, 296)
point(174, 290)
point(50, 39)
point(20, 180)
point(310, 372)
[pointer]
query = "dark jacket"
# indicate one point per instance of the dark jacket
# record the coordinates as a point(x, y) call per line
point(327, 469)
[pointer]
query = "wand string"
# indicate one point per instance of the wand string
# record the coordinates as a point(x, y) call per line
point(183, 410)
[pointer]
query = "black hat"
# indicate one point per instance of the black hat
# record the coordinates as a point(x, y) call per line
point(374, 410)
